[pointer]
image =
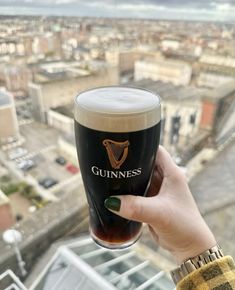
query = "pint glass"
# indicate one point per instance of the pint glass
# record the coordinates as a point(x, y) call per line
point(117, 132)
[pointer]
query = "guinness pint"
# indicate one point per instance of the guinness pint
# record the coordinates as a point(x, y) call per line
point(117, 133)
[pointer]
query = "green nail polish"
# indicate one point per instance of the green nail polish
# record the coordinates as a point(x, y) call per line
point(113, 203)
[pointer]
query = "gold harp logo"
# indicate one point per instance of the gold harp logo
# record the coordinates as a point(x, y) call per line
point(117, 152)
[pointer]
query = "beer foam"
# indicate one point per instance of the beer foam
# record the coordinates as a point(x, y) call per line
point(117, 109)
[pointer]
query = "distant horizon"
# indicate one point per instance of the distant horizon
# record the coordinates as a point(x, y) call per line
point(66, 15)
point(185, 10)
point(119, 18)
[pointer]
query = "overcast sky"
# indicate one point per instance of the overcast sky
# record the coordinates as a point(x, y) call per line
point(174, 9)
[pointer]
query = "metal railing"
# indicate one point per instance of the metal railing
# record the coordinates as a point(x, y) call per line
point(10, 281)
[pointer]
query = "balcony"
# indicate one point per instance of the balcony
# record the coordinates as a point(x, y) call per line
point(81, 264)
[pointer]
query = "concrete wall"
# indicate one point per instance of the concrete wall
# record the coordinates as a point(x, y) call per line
point(67, 149)
point(57, 220)
point(60, 122)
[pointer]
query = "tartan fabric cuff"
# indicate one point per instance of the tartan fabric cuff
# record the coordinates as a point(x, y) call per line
point(217, 275)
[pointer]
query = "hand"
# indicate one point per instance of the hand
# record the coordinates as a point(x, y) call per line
point(170, 211)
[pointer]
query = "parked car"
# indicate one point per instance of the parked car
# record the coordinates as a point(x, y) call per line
point(61, 160)
point(26, 165)
point(17, 153)
point(73, 169)
point(47, 182)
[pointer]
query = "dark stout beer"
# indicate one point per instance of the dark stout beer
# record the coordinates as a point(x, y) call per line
point(117, 133)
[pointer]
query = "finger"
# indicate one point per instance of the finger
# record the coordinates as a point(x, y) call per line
point(137, 208)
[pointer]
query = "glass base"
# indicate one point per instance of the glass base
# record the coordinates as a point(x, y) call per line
point(115, 246)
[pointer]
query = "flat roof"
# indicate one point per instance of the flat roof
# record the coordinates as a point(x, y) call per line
point(169, 91)
point(223, 90)
point(44, 76)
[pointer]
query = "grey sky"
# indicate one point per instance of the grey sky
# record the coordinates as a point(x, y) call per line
point(174, 9)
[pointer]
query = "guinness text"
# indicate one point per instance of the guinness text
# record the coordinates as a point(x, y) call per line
point(115, 174)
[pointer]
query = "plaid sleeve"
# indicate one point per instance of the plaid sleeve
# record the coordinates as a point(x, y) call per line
point(217, 275)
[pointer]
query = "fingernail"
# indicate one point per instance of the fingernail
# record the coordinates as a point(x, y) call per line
point(113, 203)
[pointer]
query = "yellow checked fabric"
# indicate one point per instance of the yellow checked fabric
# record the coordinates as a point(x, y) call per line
point(217, 275)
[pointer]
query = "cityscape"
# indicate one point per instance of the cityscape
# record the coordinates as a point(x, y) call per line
point(45, 61)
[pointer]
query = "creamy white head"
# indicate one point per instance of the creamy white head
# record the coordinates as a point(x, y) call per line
point(117, 109)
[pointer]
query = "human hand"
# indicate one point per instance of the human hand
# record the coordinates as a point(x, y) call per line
point(169, 209)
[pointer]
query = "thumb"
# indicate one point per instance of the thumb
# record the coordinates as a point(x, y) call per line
point(131, 207)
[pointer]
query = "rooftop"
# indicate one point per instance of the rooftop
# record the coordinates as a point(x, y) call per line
point(54, 71)
point(213, 189)
point(169, 91)
point(223, 90)
point(60, 70)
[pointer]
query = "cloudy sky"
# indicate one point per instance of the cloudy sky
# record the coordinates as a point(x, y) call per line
point(218, 10)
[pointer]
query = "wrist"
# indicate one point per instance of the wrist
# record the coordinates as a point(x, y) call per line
point(195, 248)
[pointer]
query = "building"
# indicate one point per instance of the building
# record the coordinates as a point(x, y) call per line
point(217, 106)
point(213, 188)
point(176, 72)
point(61, 118)
point(56, 84)
point(212, 80)
point(189, 111)
point(11, 46)
point(9, 126)
point(125, 59)
point(15, 77)
point(217, 64)
point(46, 43)
point(180, 104)
point(170, 44)
point(6, 216)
